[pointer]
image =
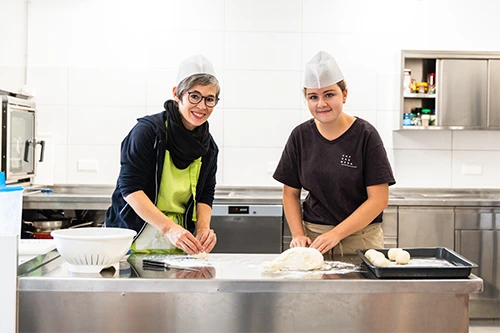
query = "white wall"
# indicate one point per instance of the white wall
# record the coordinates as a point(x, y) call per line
point(12, 54)
point(97, 65)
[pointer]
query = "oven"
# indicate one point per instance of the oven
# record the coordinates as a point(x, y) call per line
point(18, 143)
point(247, 228)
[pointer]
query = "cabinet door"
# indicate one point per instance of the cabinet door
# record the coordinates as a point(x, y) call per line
point(390, 226)
point(426, 227)
point(462, 92)
point(479, 247)
point(496, 263)
point(494, 114)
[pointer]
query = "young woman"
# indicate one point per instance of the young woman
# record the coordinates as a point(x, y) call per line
point(166, 184)
point(341, 161)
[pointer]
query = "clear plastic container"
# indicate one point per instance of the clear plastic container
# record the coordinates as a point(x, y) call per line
point(407, 119)
point(11, 207)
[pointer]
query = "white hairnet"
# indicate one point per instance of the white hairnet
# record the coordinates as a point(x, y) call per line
point(322, 71)
point(196, 64)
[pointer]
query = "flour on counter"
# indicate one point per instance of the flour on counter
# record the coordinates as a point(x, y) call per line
point(328, 267)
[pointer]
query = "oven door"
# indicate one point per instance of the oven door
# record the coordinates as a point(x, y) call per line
point(18, 159)
point(247, 228)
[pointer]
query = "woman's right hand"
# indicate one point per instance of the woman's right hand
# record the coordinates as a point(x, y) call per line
point(300, 241)
point(183, 239)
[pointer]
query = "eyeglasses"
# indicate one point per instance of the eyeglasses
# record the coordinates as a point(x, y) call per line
point(195, 98)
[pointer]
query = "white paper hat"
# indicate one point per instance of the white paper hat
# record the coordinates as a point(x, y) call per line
point(322, 71)
point(196, 64)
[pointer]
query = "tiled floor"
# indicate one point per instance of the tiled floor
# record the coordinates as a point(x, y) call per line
point(484, 326)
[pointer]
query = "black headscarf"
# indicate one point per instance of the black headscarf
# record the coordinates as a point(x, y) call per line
point(184, 146)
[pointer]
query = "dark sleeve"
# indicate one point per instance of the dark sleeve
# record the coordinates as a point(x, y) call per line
point(208, 193)
point(138, 159)
point(287, 171)
point(377, 167)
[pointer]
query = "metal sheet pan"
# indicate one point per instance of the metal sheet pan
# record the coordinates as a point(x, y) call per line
point(431, 262)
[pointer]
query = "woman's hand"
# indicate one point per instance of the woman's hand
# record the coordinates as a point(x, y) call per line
point(183, 239)
point(300, 241)
point(207, 239)
point(325, 242)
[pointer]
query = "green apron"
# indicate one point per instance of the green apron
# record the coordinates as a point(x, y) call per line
point(176, 187)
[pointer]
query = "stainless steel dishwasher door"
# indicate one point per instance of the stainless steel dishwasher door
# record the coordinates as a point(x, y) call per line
point(247, 228)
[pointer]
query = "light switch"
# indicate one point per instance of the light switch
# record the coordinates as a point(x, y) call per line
point(472, 169)
point(88, 165)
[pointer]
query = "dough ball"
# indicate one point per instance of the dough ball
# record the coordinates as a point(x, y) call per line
point(392, 253)
point(402, 257)
point(373, 254)
point(296, 258)
point(201, 255)
point(381, 262)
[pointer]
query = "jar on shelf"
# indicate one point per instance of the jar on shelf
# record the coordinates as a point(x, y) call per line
point(422, 87)
point(426, 116)
point(417, 120)
point(407, 119)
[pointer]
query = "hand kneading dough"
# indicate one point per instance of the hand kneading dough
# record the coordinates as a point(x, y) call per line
point(297, 258)
point(402, 257)
point(392, 253)
point(201, 255)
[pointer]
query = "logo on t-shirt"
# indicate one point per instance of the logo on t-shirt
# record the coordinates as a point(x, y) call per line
point(345, 160)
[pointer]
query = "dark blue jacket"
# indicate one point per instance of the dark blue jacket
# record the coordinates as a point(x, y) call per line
point(142, 157)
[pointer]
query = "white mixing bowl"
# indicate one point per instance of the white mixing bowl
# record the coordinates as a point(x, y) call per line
point(89, 250)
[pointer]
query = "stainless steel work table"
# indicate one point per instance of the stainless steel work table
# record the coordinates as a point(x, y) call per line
point(236, 296)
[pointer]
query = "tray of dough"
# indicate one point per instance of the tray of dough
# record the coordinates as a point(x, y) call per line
point(428, 262)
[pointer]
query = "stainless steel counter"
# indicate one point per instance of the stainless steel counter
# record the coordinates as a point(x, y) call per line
point(233, 295)
point(95, 197)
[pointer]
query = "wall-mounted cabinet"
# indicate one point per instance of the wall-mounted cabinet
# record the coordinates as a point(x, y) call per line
point(450, 90)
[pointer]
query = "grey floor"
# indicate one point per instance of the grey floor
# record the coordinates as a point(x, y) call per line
point(484, 326)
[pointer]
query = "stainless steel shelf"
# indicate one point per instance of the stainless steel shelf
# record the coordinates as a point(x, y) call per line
point(416, 95)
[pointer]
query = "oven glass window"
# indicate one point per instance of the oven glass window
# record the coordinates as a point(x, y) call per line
point(21, 143)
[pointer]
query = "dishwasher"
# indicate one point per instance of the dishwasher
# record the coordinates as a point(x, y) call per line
point(247, 228)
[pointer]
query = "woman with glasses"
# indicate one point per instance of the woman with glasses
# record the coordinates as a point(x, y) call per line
point(168, 160)
point(341, 161)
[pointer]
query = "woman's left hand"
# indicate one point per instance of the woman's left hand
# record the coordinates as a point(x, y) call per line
point(207, 238)
point(325, 242)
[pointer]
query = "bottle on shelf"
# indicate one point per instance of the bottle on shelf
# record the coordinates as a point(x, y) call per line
point(431, 80)
point(417, 120)
point(407, 81)
point(432, 119)
point(426, 116)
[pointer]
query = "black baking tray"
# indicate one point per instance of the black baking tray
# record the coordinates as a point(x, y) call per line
point(445, 264)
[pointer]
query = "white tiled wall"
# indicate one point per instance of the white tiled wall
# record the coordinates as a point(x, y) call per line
point(96, 66)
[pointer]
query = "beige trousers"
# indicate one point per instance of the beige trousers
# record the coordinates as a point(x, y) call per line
point(370, 237)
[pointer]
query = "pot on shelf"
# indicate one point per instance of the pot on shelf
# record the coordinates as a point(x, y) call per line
point(49, 225)
point(44, 228)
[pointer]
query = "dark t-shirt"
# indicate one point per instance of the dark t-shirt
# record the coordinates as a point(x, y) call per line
point(336, 173)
